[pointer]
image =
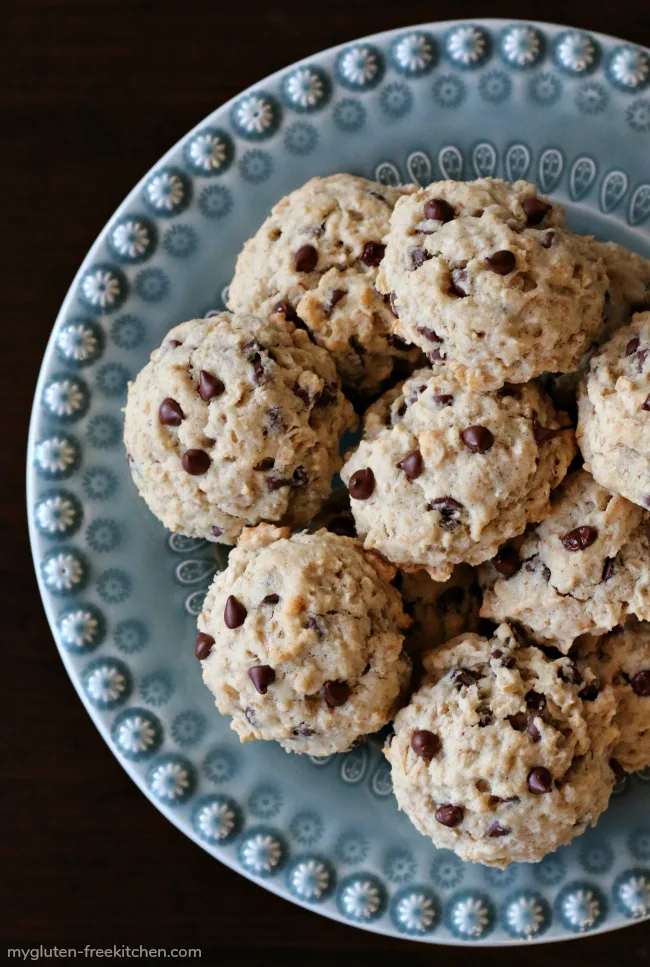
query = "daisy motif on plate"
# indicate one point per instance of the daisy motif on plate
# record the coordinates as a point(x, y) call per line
point(359, 67)
point(576, 52)
point(209, 152)
point(107, 682)
point(66, 397)
point(467, 46)
point(255, 115)
point(216, 819)
point(261, 852)
point(526, 915)
point(171, 780)
point(414, 910)
point(136, 733)
point(309, 878)
point(81, 628)
point(56, 456)
point(470, 916)
point(167, 192)
point(58, 515)
point(581, 906)
point(413, 54)
point(305, 88)
point(521, 45)
point(103, 288)
point(132, 239)
point(629, 67)
point(63, 572)
point(79, 341)
point(632, 892)
point(361, 897)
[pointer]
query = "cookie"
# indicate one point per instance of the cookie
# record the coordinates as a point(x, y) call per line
point(444, 475)
point(300, 640)
point(235, 420)
point(581, 571)
point(621, 660)
point(503, 754)
point(484, 277)
point(315, 261)
point(614, 413)
point(628, 291)
point(440, 609)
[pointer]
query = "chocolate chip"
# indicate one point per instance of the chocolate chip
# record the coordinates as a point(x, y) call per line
point(271, 599)
point(174, 343)
point(210, 386)
point(328, 395)
point(518, 721)
point(590, 692)
point(375, 194)
point(335, 297)
point(501, 262)
point(439, 210)
point(641, 356)
point(496, 829)
point(196, 462)
point(275, 481)
point(299, 477)
point(478, 439)
point(302, 394)
point(632, 346)
point(362, 484)
point(579, 538)
point(412, 464)
point(443, 399)
point(234, 614)
point(336, 693)
point(249, 714)
point(543, 433)
point(435, 356)
point(449, 815)
point(397, 343)
point(532, 731)
point(450, 600)
point(646, 403)
point(372, 253)
point(265, 464)
point(505, 661)
point(540, 780)
point(507, 561)
point(343, 526)
point(258, 368)
point(261, 676)
point(641, 683)
point(170, 413)
point(535, 209)
point(203, 645)
point(303, 730)
point(283, 308)
point(459, 279)
point(484, 715)
point(274, 417)
point(547, 239)
point(305, 259)
point(393, 303)
point(315, 625)
point(418, 258)
point(535, 700)
point(428, 334)
point(569, 674)
point(463, 677)
point(217, 531)
point(425, 743)
point(449, 510)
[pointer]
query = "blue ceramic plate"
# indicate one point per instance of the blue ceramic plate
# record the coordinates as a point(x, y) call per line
point(566, 109)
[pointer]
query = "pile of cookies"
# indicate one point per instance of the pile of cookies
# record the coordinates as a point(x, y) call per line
point(482, 583)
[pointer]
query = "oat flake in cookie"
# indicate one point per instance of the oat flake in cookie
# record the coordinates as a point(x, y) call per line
point(484, 277)
point(305, 637)
point(235, 420)
point(614, 413)
point(621, 660)
point(315, 261)
point(503, 754)
point(445, 475)
point(581, 571)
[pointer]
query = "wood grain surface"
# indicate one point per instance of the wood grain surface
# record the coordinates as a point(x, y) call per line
point(92, 93)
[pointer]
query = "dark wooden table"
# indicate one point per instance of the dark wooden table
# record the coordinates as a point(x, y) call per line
point(92, 93)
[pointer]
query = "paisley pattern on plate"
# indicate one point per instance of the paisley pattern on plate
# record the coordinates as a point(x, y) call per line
point(435, 101)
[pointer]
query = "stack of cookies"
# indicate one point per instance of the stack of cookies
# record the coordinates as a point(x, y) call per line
point(484, 584)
